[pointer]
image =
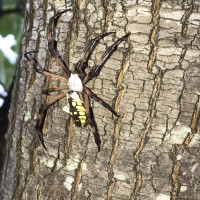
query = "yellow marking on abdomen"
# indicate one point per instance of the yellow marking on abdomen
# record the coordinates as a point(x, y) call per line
point(80, 108)
point(79, 112)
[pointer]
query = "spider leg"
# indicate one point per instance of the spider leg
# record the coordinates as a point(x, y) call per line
point(42, 115)
point(87, 52)
point(95, 71)
point(52, 43)
point(56, 89)
point(38, 68)
point(99, 100)
point(91, 120)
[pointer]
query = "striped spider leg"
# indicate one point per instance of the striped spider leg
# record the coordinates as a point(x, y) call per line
point(46, 105)
point(42, 115)
point(38, 68)
point(52, 42)
point(87, 52)
point(91, 120)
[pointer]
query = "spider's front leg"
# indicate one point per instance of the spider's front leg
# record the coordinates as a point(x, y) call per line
point(87, 52)
point(38, 68)
point(91, 120)
point(95, 71)
point(42, 115)
point(52, 43)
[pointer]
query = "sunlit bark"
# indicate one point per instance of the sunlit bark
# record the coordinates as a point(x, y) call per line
point(152, 150)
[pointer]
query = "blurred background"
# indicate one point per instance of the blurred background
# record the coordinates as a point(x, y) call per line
point(11, 26)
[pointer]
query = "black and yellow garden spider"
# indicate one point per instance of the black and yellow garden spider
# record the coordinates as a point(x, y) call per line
point(77, 93)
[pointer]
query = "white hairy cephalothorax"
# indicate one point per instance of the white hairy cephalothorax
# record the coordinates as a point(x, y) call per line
point(75, 83)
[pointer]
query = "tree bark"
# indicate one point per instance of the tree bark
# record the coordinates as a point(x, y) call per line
point(152, 150)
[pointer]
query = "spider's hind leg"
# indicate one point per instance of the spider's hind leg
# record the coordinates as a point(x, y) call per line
point(52, 42)
point(95, 71)
point(91, 120)
point(42, 115)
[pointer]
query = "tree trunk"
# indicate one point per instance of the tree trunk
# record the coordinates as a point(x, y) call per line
point(152, 152)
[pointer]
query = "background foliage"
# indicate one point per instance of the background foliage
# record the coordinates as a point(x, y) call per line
point(11, 22)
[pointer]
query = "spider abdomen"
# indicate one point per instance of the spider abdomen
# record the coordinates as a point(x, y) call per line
point(77, 111)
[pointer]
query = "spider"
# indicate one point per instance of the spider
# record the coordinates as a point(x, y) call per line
point(77, 93)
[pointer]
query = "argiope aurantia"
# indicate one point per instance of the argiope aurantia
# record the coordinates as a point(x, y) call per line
point(77, 93)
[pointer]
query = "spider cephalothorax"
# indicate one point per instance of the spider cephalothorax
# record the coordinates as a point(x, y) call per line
point(77, 93)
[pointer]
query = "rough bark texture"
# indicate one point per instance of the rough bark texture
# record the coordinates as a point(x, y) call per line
point(152, 152)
